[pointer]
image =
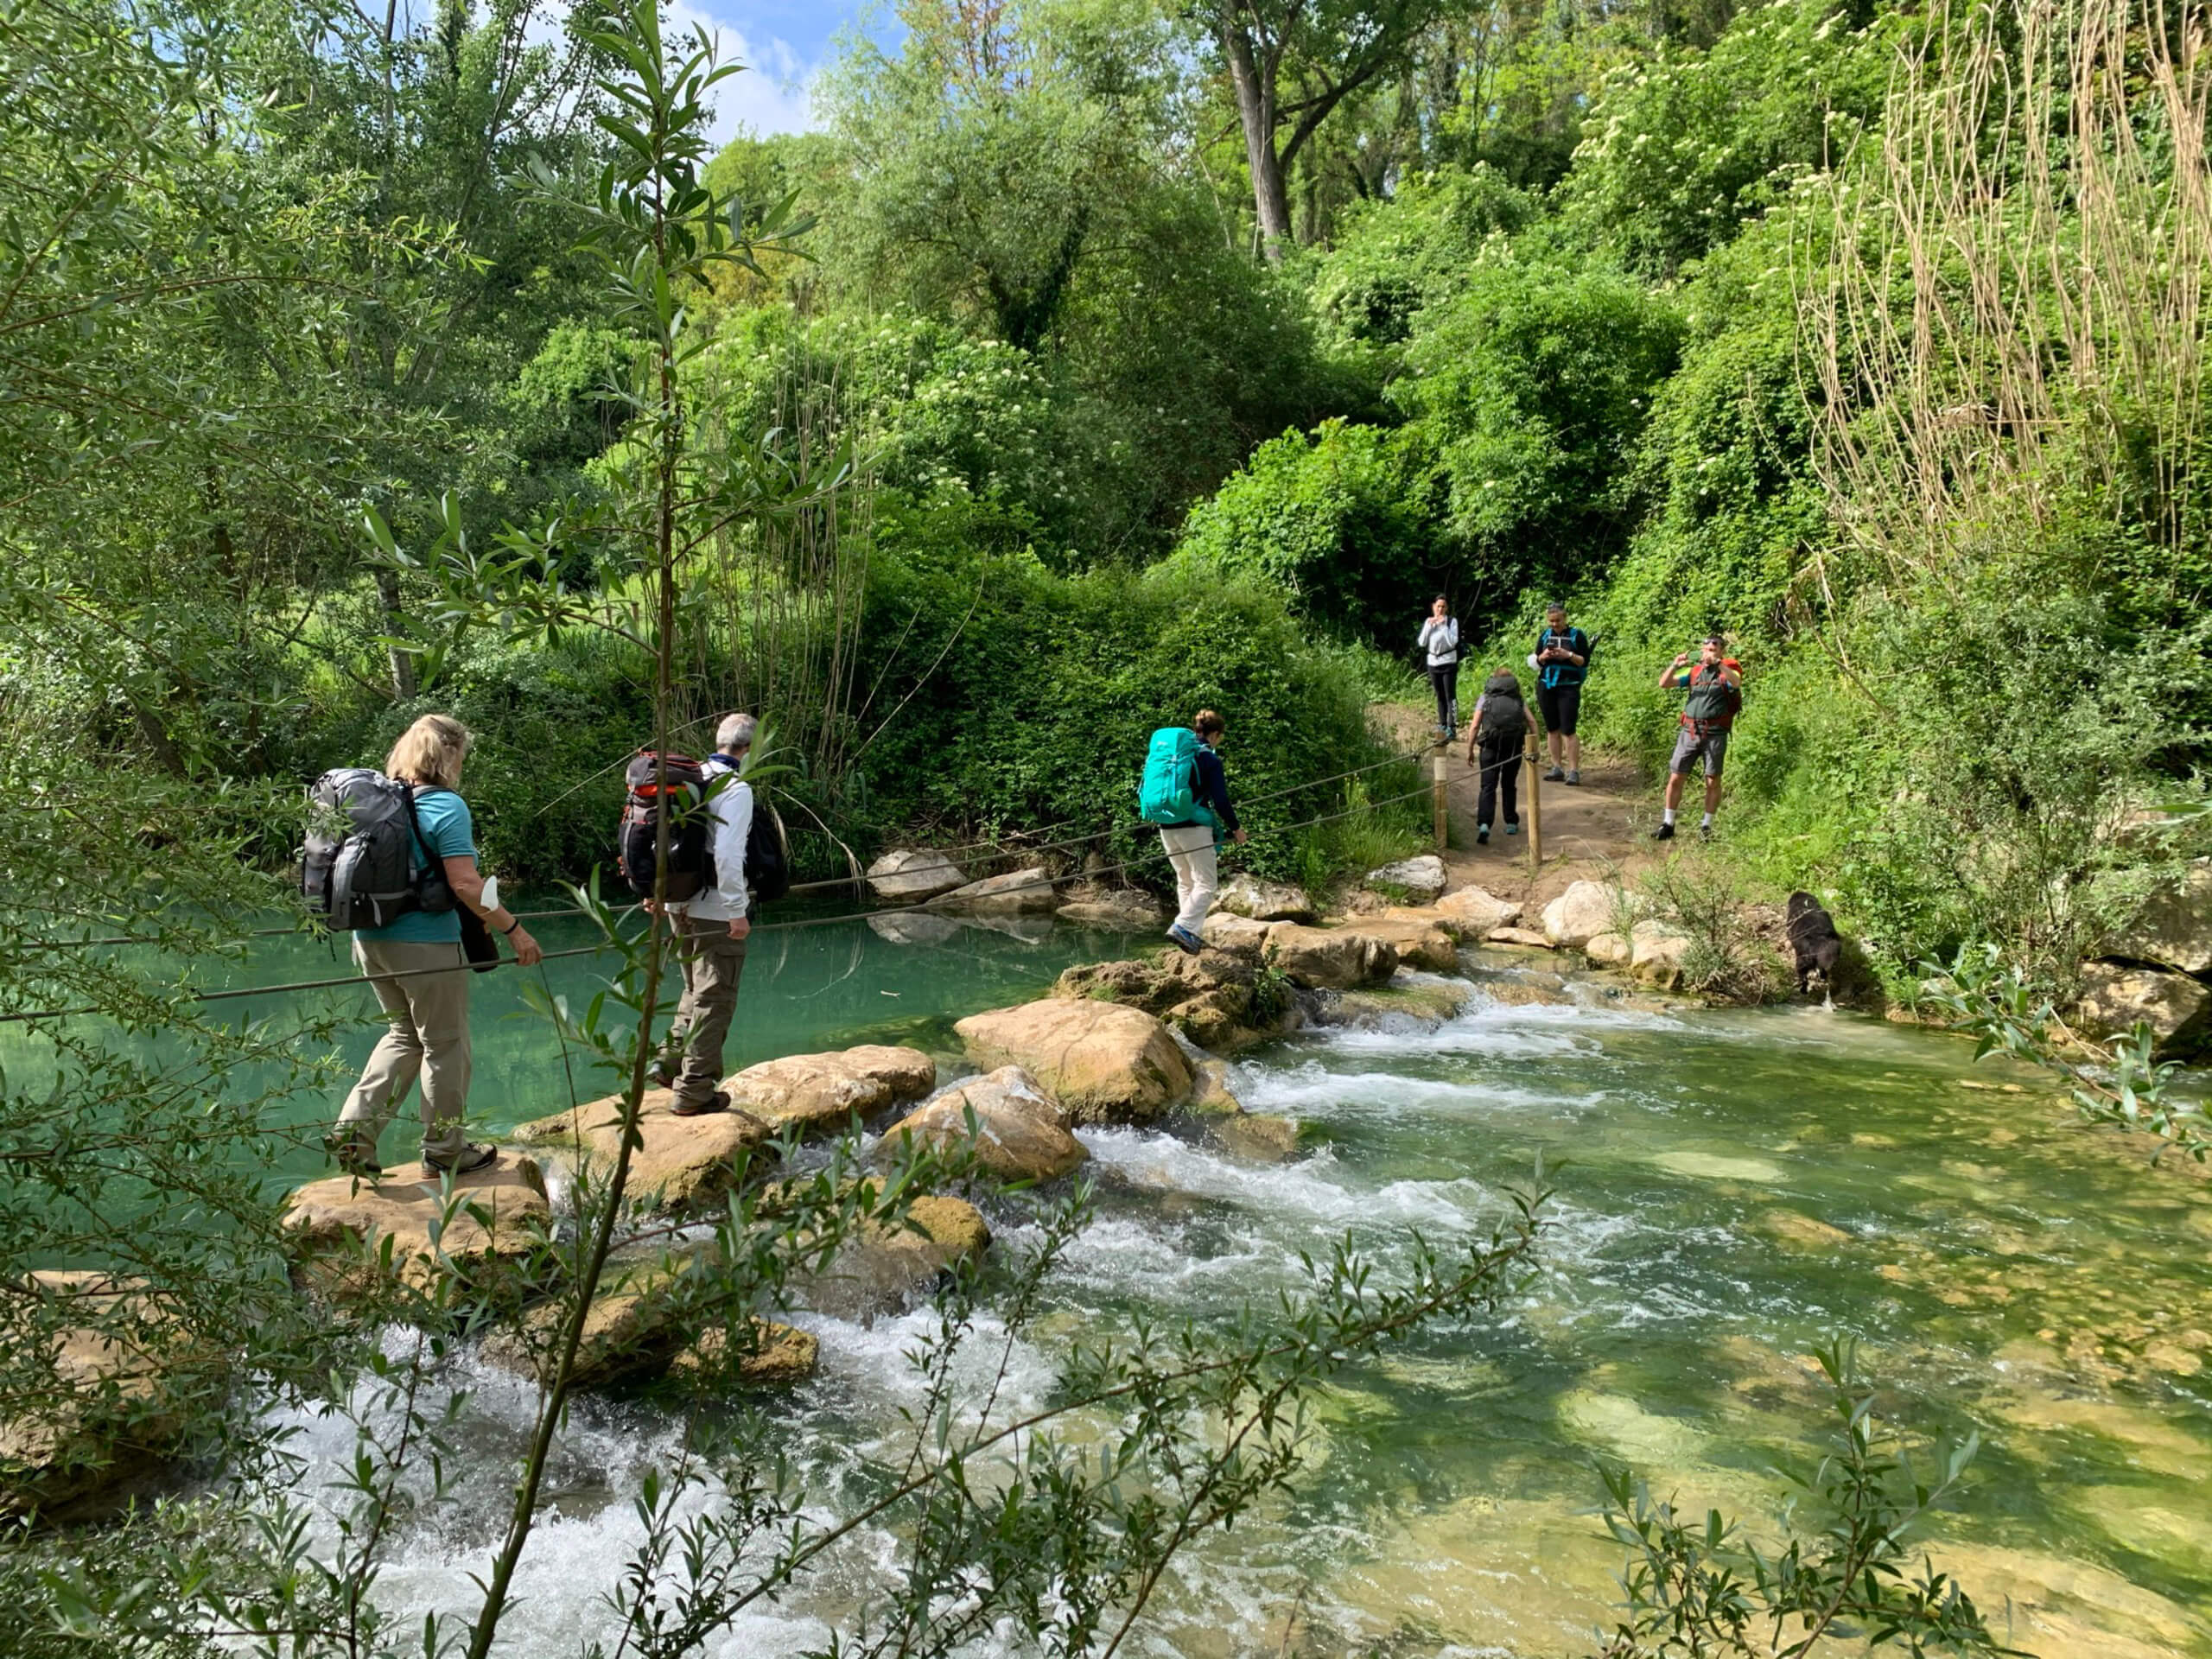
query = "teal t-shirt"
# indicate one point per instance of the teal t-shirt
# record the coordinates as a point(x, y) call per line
point(451, 833)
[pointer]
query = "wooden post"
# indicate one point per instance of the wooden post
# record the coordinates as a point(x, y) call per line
point(1535, 807)
point(1443, 822)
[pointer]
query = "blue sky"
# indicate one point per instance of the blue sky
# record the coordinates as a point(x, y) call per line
point(783, 43)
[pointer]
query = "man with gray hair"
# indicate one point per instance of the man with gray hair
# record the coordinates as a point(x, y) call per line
point(710, 931)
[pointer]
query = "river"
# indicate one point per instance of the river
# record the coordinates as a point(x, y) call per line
point(1731, 1187)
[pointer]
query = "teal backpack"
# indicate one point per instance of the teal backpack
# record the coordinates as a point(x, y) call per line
point(1168, 795)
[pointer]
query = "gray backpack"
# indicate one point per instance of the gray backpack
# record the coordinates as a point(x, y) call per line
point(358, 868)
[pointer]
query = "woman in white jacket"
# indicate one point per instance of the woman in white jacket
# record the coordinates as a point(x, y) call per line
point(1439, 637)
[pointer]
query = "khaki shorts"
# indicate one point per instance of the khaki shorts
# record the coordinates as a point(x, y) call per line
point(1690, 746)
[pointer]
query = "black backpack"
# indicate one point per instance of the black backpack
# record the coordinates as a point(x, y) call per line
point(767, 856)
point(359, 867)
point(682, 802)
point(1505, 714)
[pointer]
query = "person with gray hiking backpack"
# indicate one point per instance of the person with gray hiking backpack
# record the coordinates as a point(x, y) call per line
point(390, 857)
point(1495, 742)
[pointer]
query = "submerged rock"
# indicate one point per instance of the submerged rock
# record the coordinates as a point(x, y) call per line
point(908, 875)
point(1422, 879)
point(1211, 1096)
point(1581, 914)
point(880, 1266)
point(1015, 893)
point(337, 1227)
point(1266, 901)
point(1420, 998)
point(1257, 1137)
point(914, 927)
point(1019, 1134)
point(1473, 913)
point(1098, 1062)
point(2174, 1006)
point(123, 1376)
point(781, 1355)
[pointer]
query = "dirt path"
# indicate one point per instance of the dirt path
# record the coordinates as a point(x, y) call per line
point(1594, 830)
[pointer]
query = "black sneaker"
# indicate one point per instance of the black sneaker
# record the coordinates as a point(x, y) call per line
point(1664, 832)
point(1556, 775)
point(1482, 835)
point(481, 1155)
point(1704, 832)
point(1575, 778)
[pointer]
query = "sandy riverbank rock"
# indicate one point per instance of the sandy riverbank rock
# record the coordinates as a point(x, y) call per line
point(824, 1091)
point(684, 1163)
point(1018, 893)
point(1581, 914)
point(1019, 1134)
point(337, 1226)
point(1098, 1062)
point(2179, 1009)
point(1125, 910)
point(2174, 926)
point(1266, 901)
point(908, 875)
point(1422, 879)
point(121, 1375)
point(1472, 912)
point(1609, 949)
point(1657, 950)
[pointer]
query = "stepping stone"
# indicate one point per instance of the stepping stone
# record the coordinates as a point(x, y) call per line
point(1098, 1062)
point(682, 1163)
point(880, 1267)
point(1019, 1135)
point(824, 1091)
point(502, 1216)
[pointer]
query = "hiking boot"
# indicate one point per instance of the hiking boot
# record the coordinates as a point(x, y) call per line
point(351, 1157)
point(1574, 777)
point(718, 1101)
point(1664, 832)
point(1482, 835)
point(470, 1159)
point(1186, 941)
point(1556, 775)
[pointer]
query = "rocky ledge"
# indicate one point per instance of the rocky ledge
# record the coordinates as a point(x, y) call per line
point(121, 1380)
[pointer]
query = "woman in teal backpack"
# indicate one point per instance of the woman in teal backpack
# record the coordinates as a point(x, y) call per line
point(1193, 844)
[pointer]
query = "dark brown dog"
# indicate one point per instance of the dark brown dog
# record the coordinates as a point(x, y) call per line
point(1814, 940)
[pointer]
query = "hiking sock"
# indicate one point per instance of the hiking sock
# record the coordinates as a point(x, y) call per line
point(1667, 814)
point(1707, 825)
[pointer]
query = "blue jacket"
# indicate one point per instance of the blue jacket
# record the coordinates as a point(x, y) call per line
point(1212, 791)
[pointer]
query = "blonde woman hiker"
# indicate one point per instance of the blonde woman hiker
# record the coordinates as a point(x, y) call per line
point(427, 1038)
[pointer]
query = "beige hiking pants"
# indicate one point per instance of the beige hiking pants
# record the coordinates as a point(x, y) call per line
point(712, 963)
point(428, 1036)
point(1197, 871)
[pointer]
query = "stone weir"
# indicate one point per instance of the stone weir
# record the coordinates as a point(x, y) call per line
point(1117, 1044)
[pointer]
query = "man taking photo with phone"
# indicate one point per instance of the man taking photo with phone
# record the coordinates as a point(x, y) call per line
point(1715, 694)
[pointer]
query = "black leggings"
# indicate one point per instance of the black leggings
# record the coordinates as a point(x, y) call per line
point(1500, 765)
point(1443, 680)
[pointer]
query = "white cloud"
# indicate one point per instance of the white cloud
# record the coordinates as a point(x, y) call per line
point(772, 95)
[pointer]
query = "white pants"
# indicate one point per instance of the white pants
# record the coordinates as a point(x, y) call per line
point(1197, 871)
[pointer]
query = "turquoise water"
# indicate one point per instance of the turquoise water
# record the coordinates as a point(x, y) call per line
point(1731, 1188)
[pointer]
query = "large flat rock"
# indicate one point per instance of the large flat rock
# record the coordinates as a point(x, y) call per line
point(1098, 1062)
point(1316, 958)
point(120, 1375)
point(1471, 912)
point(824, 1091)
point(1422, 879)
point(682, 1163)
point(1019, 1134)
point(338, 1226)
point(908, 875)
point(1248, 895)
point(2177, 1008)
point(1581, 914)
point(1015, 893)
point(2174, 928)
point(1419, 936)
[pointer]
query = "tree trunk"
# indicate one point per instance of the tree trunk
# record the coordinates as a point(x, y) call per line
point(1255, 87)
point(402, 660)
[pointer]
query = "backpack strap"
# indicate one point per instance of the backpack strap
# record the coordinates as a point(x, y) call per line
point(432, 873)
